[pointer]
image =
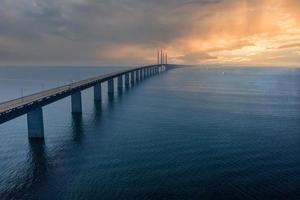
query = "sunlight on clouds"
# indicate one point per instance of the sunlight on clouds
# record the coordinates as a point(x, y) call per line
point(244, 32)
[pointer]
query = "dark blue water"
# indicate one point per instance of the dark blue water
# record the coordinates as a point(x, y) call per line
point(189, 133)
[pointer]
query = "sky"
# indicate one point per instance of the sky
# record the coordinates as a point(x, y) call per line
point(129, 32)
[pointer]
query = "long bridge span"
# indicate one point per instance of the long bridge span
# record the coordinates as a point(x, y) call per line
point(32, 104)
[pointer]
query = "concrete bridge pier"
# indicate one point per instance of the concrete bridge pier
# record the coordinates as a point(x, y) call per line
point(127, 80)
point(142, 74)
point(76, 102)
point(137, 72)
point(120, 82)
point(132, 78)
point(97, 92)
point(35, 123)
point(110, 86)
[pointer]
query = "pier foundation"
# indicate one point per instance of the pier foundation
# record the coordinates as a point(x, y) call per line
point(132, 78)
point(137, 73)
point(110, 85)
point(76, 102)
point(127, 80)
point(120, 82)
point(142, 74)
point(97, 92)
point(35, 123)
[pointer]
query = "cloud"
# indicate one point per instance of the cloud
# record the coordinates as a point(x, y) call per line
point(196, 57)
point(287, 46)
point(130, 31)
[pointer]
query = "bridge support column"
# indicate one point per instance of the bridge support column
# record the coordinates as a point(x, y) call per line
point(76, 102)
point(110, 85)
point(127, 80)
point(35, 123)
point(137, 73)
point(142, 74)
point(120, 82)
point(132, 77)
point(97, 92)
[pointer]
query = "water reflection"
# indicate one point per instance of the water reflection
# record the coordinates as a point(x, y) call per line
point(111, 98)
point(120, 91)
point(77, 127)
point(97, 108)
point(23, 183)
point(38, 157)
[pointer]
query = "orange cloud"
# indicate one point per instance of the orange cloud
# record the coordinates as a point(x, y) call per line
point(241, 32)
point(287, 46)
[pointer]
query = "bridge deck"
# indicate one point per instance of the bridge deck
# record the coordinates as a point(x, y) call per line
point(13, 108)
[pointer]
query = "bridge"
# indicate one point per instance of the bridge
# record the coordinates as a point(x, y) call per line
point(32, 104)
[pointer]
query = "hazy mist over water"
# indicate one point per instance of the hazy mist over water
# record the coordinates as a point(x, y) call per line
point(190, 133)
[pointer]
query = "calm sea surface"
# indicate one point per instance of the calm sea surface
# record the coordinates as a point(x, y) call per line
point(190, 133)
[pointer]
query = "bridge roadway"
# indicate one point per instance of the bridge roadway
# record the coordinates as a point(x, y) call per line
point(17, 107)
